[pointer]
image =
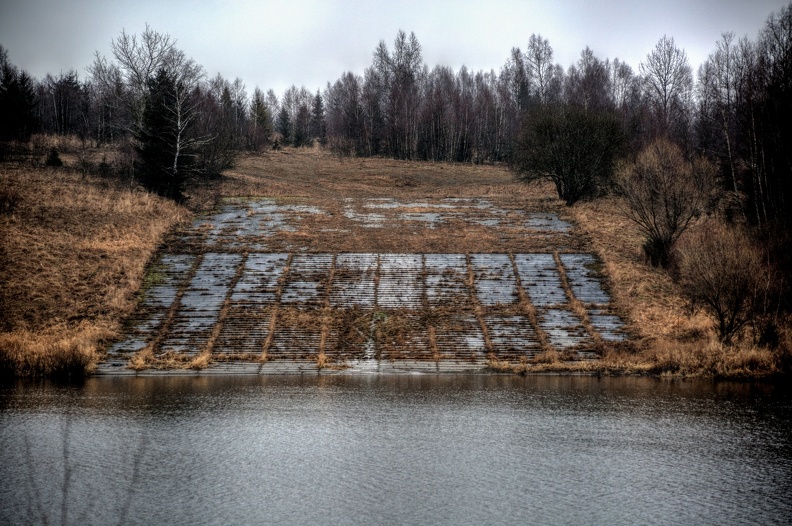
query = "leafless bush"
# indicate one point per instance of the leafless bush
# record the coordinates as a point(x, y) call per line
point(721, 271)
point(10, 198)
point(663, 193)
point(341, 147)
point(53, 159)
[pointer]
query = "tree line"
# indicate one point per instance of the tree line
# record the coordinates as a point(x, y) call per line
point(149, 98)
point(532, 113)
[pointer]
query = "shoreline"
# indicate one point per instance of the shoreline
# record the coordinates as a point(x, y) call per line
point(588, 368)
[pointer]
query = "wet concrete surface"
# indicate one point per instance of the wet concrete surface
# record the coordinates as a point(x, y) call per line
point(231, 296)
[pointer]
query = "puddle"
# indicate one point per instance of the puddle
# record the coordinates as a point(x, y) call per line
point(243, 225)
point(430, 218)
point(547, 222)
point(366, 220)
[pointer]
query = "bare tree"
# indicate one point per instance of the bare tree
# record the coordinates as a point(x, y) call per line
point(519, 78)
point(663, 193)
point(539, 61)
point(398, 76)
point(165, 142)
point(588, 82)
point(346, 126)
point(137, 60)
point(668, 82)
point(720, 79)
point(721, 271)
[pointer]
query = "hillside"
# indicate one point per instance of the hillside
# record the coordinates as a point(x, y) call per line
point(78, 245)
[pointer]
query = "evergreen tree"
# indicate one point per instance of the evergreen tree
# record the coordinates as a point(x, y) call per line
point(284, 125)
point(318, 125)
point(260, 121)
point(17, 102)
point(302, 127)
point(160, 143)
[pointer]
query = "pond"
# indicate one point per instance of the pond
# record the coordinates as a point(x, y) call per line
point(398, 449)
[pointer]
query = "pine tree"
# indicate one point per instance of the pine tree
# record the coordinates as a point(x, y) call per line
point(318, 125)
point(302, 127)
point(260, 126)
point(17, 102)
point(160, 143)
point(284, 126)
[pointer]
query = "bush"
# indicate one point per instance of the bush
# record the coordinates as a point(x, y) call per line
point(24, 354)
point(721, 271)
point(570, 146)
point(663, 193)
point(53, 159)
point(10, 198)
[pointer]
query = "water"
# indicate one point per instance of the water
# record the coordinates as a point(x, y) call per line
point(410, 449)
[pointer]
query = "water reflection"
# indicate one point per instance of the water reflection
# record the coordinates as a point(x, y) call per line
point(395, 449)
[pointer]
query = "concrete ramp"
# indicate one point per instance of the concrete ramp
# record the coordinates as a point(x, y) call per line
point(224, 294)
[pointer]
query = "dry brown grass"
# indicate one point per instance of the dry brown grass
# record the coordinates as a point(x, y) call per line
point(545, 362)
point(313, 177)
point(706, 358)
point(58, 351)
point(313, 173)
point(147, 359)
point(646, 296)
point(670, 339)
point(74, 252)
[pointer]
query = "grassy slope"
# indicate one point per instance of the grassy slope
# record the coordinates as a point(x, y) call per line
point(74, 251)
point(672, 340)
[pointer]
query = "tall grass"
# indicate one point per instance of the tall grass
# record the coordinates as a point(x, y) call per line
point(56, 353)
point(670, 338)
point(74, 250)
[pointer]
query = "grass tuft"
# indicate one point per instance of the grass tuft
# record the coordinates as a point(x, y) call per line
point(55, 353)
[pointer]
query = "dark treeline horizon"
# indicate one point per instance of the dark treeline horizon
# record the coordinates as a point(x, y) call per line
point(735, 108)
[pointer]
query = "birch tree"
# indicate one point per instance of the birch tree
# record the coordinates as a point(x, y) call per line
point(668, 81)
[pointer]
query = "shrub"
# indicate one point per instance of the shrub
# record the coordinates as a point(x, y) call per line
point(10, 198)
point(663, 193)
point(721, 271)
point(572, 147)
point(53, 159)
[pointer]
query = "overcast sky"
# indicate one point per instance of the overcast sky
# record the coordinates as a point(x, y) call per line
point(274, 44)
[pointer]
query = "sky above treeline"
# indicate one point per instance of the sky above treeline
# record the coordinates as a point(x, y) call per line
point(274, 44)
